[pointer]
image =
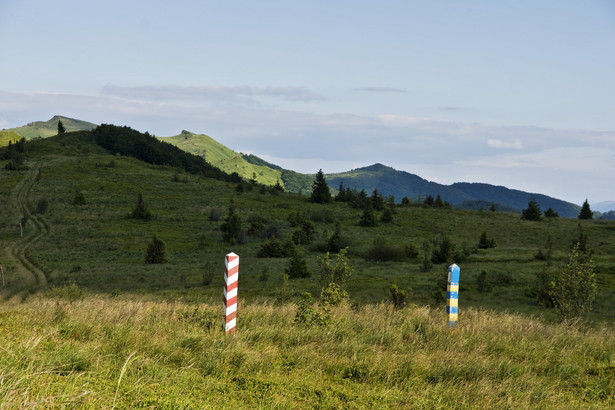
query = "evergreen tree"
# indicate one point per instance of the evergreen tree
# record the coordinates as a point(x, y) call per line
point(141, 211)
point(297, 266)
point(155, 251)
point(320, 190)
point(368, 219)
point(61, 129)
point(586, 212)
point(532, 212)
point(438, 203)
point(231, 228)
point(377, 200)
point(550, 213)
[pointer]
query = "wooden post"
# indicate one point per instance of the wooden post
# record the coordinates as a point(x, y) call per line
point(231, 276)
point(452, 295)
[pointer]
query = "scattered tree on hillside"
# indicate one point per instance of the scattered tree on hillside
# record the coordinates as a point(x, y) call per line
point(231, 228)
point(141, 211)
point(575, 288)
point(550, 213)
point(61, 129)
point(297, 266)
point(368, 219)
point(484, 242)
point(586, 212)
point(320, 190)
point(532, 212)
point(155, 251)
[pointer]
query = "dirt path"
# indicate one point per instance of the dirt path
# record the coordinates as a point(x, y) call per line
point(16, 256)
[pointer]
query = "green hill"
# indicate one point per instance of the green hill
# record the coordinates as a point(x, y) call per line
point(88, 323)
point(224, 158)
point(7, 136)
point(44, 129)
point(401, 184)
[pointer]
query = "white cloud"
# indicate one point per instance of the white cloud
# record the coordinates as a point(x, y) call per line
point(236, 94)
point(573, 164)
point(495, 143)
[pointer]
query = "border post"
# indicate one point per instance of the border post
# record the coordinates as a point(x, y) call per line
point(231, 276)
point(452, 295)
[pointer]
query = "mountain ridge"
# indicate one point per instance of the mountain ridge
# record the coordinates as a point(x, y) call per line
point(387, 180)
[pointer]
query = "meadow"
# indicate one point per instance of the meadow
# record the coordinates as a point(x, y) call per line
point(86, 321)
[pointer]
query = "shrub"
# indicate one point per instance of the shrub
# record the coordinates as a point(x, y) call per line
point(337, 241)
point(444, 251)
point(79, 199)
point(155, 251)
point(231, 228)
point(399, 297)
point(381, 252)
point(575, 287)
point(482, 283)
point(334, 272)
point(41, 206)
point(308, 314)
point(368, 219)
point(274, 248)
point(485, 243)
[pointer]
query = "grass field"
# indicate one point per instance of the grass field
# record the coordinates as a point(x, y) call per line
point(99, 352)
point(86, 322)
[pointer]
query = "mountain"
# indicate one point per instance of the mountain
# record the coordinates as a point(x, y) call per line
point(387, 180)
point(247, 166)
point(604, 206)
point(463, 195)
point(49, 128)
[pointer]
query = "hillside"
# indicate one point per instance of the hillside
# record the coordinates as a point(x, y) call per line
point(88, 323)
point(44, 129)
point(7, 136)
point(224, 158)
point(389, 181)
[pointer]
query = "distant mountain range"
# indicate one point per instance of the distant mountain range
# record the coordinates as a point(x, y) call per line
point(386, 180)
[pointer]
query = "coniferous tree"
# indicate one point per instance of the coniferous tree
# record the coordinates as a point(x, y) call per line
point(297, 266)
point(61, 129)
point(141, 211)
point(586, 212)
point(550, 213)
point(532, 212)
point(155, 251)
point(320, 190)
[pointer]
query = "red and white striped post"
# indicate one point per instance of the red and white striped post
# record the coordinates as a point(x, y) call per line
point(231, 276)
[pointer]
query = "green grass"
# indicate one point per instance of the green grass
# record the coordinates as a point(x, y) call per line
point(108, 330)
point(224, 158)
point(114, 352)
point(7, 136)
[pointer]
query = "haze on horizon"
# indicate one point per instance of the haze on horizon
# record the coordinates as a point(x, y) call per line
point(518, 94)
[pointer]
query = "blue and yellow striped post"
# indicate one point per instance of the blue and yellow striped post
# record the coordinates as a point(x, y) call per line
point(452, 295)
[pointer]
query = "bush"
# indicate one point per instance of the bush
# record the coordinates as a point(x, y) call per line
point(485, 243)
point(79, 199)
point(337, 241)
point(380, 252)
point(41, 206)
point(482, 283)
point(575, 287)
point(399, 297)
point(274, 248)
point(444, 251)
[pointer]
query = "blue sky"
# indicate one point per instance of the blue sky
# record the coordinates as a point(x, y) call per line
point(514, 93)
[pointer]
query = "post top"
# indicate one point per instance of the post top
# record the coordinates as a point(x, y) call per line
point(232, 254)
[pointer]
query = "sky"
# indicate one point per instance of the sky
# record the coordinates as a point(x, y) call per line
point(513, 93)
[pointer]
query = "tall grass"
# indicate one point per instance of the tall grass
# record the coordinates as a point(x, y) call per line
point(112, 352)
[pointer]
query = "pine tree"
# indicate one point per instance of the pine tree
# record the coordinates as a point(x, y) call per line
point(155, 251)
point(141, 211)
point(61, 129)
point(532, 212)
point(320, 190)
point(297, 266)
point(586, 212)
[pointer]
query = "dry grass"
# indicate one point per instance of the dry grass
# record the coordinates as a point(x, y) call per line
point(103, 353)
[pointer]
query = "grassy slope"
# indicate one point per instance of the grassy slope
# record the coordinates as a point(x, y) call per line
point(62, 353)
point(45, 129)
point(222, 157)
point(65, 350)
point(6, 136)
